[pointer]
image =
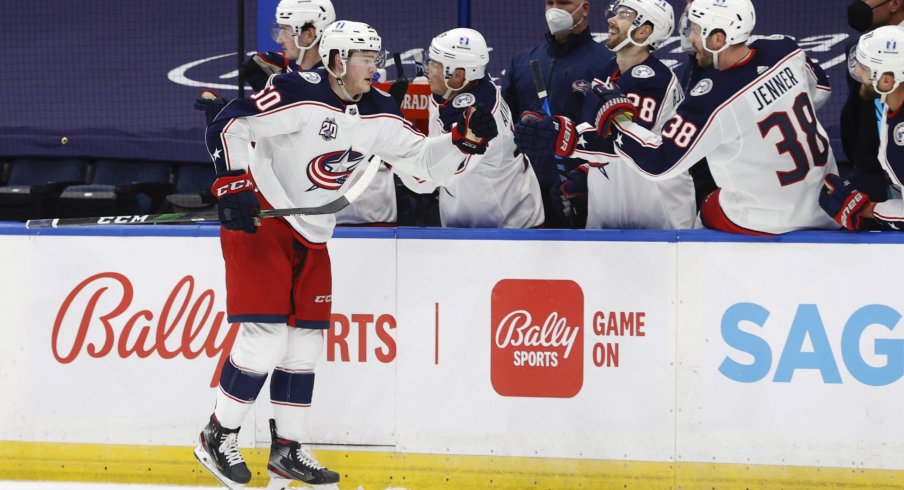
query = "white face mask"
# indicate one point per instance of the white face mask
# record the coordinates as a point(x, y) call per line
point(560, 20)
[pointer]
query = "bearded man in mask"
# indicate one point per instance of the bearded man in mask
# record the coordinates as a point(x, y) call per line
point(569, 60)
point(860, 114)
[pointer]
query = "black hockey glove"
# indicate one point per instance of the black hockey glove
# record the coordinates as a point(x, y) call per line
point(544, 136)
point(397, 91)
point(236, 201)
point(615, 104)
point(257, 69)
point(211, 104)
point(573, 187)
point(474, 130)
point(843, 202)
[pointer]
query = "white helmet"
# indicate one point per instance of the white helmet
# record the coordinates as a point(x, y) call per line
point(346, 36)
point(881, 51)
point(461, 48)
point(299, 13)
point(736, 18)
point(659, 13)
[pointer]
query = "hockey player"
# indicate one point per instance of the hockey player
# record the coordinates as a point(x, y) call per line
point(619, 197)
point(879, 64)
point(752, 115)
point(497, 189)
point(297, 28)
point(299, 143)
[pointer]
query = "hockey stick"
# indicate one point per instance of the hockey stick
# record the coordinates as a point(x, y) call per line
point(400, 86)
point(335, 206)
point(540, 86)
point(543, 97)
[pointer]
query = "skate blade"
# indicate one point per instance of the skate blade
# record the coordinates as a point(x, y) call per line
point(279, 483)
point(206, 462)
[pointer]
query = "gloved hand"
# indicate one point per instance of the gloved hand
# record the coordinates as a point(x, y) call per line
point(397, 91)
point(258, 68)
point(545, 136)
point(614, 104)
point(211, 103)
point(474, 130)
point(574, 186)
point(843, 202)
point(236, 201)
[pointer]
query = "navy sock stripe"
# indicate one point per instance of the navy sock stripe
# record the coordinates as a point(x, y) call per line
point(291, 388)
point(240, 385)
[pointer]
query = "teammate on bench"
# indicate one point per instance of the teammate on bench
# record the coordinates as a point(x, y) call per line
point(879, 66)
point(752, 115)
point(617, 196)
point(494, 190)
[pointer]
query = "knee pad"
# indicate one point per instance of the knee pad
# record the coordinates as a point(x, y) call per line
point(259, 346)
point(303, 350)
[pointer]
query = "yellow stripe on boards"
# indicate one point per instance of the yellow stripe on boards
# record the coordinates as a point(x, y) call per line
point(379, 470)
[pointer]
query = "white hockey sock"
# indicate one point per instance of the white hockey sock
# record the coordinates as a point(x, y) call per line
point(229, 412)
point(291, 422)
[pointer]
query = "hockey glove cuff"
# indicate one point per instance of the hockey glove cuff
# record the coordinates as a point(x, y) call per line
point(261, 66)
point(536, 135)
point(237, 202)
point(615, 105)
point(843, 202)
point(474, 130)
point(211, 104)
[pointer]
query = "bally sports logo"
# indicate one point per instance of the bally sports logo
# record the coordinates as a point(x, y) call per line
point(537, 339)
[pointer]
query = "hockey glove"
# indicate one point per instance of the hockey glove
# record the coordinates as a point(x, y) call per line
point(536, 135)
point(397, 91)
point(574, 186)
point(842, 202)
point(257, 69)
point(474, 130)
point(615, 104)
point(236, 201)
point(211, 103)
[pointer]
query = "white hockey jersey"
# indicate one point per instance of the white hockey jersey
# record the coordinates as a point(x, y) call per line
point(303, 145)
point(618, 195)
point(377, 205)
point(756, 125)
point(495, 190)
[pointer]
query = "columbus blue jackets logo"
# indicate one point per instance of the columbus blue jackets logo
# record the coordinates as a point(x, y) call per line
point(310, 77)
point(464, 100)
point(899, 134)
point(330, 170)
point(702, 88)
point(642, 71)
point(580, 87)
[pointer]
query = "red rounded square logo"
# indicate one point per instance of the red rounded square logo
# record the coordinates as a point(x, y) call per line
point(537, 338)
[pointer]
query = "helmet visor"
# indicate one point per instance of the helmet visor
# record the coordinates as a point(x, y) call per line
point(619, 11)
point(859, 72)
point(277, 30)
point(367, 59)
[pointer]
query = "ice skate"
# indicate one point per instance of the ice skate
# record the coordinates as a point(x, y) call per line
point(290, 461)
point(218, 451)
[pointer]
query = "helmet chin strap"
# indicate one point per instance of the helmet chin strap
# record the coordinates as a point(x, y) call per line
point(449, 89)
point(344, 95)
point(715, 54)
point(304, 49)
point(883, 96)
point(628, 39)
